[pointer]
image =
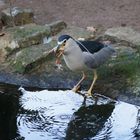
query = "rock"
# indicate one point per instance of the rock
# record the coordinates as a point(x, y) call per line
point(57, 27)
point(125, 66)
point(123, 69)
point(123, 72)
point(137, 127)
point(30, 58)
point(60, 27)
point(124, 54)
point(124, 35)
point(25, 62)
point(1, 25)
point(17, 38)
point(2, 4)
point(17, 16)
point(76, 32)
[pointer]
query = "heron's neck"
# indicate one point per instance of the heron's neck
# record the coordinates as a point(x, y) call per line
point(73, 55)
point(72, 48)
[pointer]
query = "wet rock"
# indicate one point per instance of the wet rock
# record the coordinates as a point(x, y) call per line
point(137, 127)
point(17, 16)
point(17, 38)
point(57, 27)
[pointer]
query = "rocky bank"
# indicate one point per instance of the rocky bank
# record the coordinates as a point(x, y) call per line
point(24, 59)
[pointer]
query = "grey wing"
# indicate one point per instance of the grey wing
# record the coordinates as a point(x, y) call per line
point(98, 58)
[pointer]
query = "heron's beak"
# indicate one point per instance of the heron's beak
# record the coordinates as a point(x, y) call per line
point(59, 50)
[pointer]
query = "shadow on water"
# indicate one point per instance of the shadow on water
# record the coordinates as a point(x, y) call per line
point(9, 106)
point(87, 121)
point(60, 115)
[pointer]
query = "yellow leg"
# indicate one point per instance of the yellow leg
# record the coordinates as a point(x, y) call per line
point(89, 92)
point(77, 86)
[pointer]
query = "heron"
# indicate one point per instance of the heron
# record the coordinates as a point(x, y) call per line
point(82, 55)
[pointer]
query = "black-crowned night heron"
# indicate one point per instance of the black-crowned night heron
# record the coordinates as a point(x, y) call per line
point(82, 55)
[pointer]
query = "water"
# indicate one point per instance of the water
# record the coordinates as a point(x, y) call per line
point(61, 115)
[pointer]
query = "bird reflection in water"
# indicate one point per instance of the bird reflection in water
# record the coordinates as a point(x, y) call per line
point(87, 121)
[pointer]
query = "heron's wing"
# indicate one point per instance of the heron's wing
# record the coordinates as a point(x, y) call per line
point(90, 46)
point(98, 58)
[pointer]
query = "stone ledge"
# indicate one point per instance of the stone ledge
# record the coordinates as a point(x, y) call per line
point(17, 16)
point(124, 35)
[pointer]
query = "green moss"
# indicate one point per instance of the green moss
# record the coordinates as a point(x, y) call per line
point(30, 30)
point(30, 57)
point(18, 67)
point(123, 66)
point(8, 49)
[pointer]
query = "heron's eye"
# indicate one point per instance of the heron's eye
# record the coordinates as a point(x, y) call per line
point(64, 43)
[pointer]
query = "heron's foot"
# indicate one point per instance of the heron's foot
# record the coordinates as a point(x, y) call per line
point(88, 94)
point(76, 88)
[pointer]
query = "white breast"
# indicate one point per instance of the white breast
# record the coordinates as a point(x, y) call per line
point(73, 56)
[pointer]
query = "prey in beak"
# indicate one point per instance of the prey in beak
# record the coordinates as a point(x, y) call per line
point(59, 51)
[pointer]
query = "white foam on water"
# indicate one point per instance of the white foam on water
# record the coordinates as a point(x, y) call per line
point(57, 106)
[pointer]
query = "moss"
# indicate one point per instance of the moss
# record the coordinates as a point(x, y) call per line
point(27, 36)
point(28, 30)
point(121, 74)
point(122, 65)
point(8, 49)
point(18, 67)
point(29, 58)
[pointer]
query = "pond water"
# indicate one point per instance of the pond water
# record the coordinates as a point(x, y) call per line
point(61, 115)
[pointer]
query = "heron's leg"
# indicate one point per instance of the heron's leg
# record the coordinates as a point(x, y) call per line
point(77, 86)
point(89, 92)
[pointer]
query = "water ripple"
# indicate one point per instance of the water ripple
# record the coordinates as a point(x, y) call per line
point(60, 115)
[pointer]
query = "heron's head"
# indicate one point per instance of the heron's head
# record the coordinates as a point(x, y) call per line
point(60, 48)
